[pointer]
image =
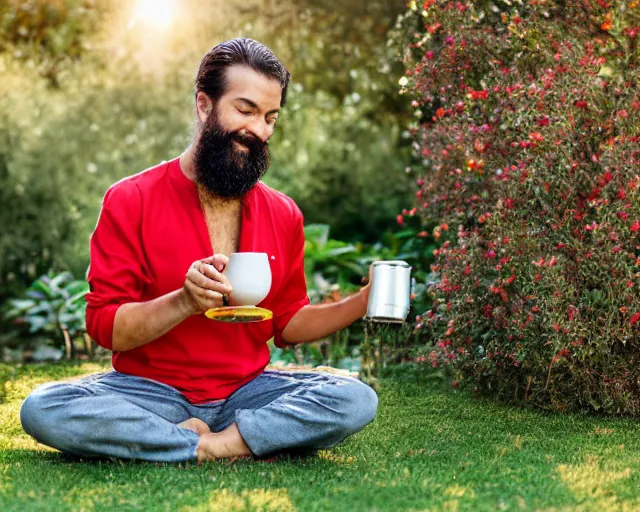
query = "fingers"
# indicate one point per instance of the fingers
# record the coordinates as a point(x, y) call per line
point(205, 298)
point(206, 276)
point(219, 261)
point(211, 273)
point(206, 283)
point(367, 279)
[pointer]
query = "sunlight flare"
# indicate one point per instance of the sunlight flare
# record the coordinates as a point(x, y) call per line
point(157, 13)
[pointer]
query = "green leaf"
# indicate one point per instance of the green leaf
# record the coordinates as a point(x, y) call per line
point(77, 298)
point(317, 233)
point(58, 281)
point(341, 251)
point(22, 304)
point(77, 288)
point(39, 285)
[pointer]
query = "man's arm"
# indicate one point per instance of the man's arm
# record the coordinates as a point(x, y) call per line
point(314, 322)
point(138, 323)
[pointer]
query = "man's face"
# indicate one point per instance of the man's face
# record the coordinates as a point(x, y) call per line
point(231, 152)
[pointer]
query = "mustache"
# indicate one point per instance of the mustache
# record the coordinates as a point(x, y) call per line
point(251, 141)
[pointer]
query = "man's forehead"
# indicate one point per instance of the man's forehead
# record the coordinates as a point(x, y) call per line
point(244, 82)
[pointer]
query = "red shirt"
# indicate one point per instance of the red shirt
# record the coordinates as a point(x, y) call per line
point(151, 229)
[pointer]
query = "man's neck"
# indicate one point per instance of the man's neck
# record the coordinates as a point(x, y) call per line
point(208, 200)
point(213, 202)
point(186, 163)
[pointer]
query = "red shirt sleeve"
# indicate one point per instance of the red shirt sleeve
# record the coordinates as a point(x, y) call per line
point(117, 271)
point(293, 296)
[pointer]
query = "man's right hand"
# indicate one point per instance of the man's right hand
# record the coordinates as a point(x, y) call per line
point(205, 284)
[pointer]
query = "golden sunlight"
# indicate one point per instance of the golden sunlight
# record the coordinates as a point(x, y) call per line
point(157, 13)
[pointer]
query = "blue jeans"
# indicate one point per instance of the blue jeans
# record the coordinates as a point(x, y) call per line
point(117, 415)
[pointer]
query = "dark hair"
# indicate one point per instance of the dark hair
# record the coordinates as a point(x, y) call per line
point(241, 51)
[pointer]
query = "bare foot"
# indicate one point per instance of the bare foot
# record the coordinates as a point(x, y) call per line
point(195, 425)
point(227, 444)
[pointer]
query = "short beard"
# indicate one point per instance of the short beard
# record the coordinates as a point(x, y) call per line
point(223, 170)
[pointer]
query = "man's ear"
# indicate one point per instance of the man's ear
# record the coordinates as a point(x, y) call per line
point(203, 106)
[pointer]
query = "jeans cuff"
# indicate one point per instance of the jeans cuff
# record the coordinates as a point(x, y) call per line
point(252, 434)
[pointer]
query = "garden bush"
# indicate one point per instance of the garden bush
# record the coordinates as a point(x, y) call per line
point(87, 97)
point(527, 135)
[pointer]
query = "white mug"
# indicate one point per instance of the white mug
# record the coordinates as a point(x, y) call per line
point(250, 276)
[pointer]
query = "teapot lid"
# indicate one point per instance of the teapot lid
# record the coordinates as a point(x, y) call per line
point(392, 263)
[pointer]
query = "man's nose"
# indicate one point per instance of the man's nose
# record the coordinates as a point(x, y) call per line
point(261, 130)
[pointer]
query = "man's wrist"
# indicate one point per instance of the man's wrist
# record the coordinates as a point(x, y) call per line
point(186, 304)
point(363, 295)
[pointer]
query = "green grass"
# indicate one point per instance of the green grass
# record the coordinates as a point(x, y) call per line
point(431, 448)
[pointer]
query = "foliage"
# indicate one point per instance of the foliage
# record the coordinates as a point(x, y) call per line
point(49, 36)
point(342, 167)
point(88, 95)
point(54, 303)
point(336, 269)
point(62, 150)
point(528, 135)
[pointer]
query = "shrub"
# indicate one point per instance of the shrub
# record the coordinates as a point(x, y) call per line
point(54, 309)
point(529, 131)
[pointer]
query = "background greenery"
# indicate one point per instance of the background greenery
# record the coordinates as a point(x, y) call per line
point(529, 135)
point(92, 91)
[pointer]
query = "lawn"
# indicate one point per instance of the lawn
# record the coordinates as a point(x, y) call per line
point(431, 448)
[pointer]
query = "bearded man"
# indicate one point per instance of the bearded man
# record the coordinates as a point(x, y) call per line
point(184, 387)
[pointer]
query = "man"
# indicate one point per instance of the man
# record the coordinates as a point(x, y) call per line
point(185, 387)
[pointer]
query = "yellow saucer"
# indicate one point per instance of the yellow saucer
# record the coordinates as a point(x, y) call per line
point(239, 314)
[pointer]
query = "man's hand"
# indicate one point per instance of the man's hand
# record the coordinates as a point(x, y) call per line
point(205, 285)
point(366, 289)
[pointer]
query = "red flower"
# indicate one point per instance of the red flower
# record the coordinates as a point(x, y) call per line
point(573, 311)
point(538, 263)
point(635, 319)
point(434, 28)
point(595, 193)
point(543, 121)
point(635, 227)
